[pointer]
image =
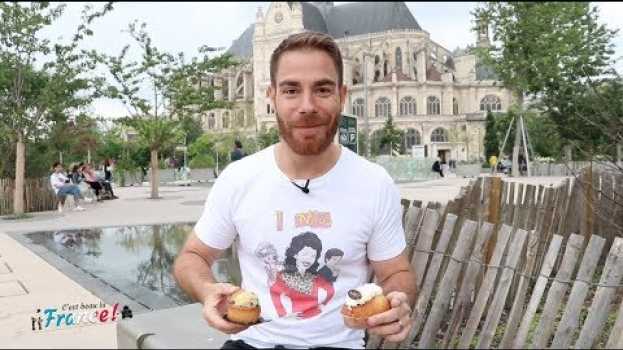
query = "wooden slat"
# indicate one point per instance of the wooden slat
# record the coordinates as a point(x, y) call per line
point(558, 289)
point(616, 333)
point(424, 242)
point(462, 302)
point(598, 312)
point(447, 285)
point(537, 293)
point(412, 225)
point(485, 289)
point(424, 294)
point(520, 292)
point(495, 309)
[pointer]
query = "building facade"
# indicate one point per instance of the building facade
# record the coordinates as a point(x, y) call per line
point(392, 68)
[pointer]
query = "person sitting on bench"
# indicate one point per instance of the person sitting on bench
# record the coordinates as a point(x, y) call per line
point(96, 184)
point(62, 187)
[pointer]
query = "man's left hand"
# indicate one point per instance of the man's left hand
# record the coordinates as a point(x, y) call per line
point(395, 323)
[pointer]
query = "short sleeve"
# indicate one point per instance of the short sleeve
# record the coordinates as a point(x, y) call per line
point(387, 239)
point(215, 227)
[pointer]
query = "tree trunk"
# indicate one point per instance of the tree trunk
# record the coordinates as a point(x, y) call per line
point(154, 179)
point(20, 170)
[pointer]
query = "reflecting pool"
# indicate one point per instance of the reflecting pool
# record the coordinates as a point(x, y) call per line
point(131, 257)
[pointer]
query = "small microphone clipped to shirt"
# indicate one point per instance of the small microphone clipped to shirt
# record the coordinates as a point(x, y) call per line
point(305, 188)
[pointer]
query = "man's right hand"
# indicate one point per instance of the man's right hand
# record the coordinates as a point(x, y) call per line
point(215, 307)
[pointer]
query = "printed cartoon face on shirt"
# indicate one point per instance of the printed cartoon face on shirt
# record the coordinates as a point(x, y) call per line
point(300, 277)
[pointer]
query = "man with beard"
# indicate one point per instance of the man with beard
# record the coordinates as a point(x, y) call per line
point(306, 182)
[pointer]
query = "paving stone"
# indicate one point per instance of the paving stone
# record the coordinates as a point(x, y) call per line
point(11, 289)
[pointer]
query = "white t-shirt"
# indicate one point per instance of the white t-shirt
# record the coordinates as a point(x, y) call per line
point(57, 180)
point(351, 214)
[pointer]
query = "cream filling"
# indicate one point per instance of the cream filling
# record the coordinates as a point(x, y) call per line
point(367, 291)
point(245, 299)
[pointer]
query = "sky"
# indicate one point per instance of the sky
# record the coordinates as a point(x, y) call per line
point(185, 26)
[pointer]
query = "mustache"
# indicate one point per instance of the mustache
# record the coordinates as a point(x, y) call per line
point(309, 121)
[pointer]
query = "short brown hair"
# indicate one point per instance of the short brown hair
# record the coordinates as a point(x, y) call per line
point(308, 40)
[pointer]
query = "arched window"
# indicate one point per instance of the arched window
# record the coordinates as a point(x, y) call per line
point(439, 135)
point(239, 118)
point(382, 107)
point(407, 106)
point(211, 121)
point(358, 107)
point(268, 108)
point(412, 137)
point(398, 59)
point(455, 106)
point(490, 103)
point(226, 120)
point(432, 105)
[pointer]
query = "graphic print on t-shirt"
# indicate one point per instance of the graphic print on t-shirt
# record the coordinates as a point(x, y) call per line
point(299, 276)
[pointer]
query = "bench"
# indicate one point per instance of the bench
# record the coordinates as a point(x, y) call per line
point(179, 327)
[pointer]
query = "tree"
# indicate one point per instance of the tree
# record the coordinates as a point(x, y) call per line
point(156, 134)
point(267, 137)
point(492, 143)
point(31, 91)
point(178, 92)
point(391, 136)
point(545, 49)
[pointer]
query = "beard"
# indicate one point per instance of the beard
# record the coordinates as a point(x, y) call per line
point(313, 145)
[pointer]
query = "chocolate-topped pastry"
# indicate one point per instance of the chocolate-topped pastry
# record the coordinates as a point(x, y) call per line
point(365, 301)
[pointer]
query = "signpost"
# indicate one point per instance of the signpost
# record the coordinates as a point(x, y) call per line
point(347, 132)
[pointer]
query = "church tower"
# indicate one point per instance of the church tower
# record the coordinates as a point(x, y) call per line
point(483, 33)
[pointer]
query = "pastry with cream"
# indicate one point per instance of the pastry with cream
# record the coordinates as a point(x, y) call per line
point(365, 301)
point(243, 308)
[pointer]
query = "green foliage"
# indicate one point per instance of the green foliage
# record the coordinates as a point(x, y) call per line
point(191, 127)
point(543, 45)
point(202, 161)
point(391, 135)
point(492, 143)
point(267, 137)
point(558, 53)
point(157, 133)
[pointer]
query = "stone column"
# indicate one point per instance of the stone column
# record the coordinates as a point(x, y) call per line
point(232, 87)
point(421, 66)
point(218, 89)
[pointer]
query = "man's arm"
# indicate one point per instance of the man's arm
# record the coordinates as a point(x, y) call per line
point(193, 273)
point(396, 275)
point(193, 267)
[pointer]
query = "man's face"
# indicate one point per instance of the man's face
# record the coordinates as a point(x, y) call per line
point(307, 100)
point(334, 261)
point(58, 168)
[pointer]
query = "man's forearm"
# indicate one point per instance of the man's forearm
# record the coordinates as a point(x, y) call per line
point(401, 281)
point(193, 273)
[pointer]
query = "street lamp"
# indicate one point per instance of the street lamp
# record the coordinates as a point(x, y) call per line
point(365, 102)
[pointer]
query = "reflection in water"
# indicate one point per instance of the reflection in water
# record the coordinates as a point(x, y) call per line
point(126, 256)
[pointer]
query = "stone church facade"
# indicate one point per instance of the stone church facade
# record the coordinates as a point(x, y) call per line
point(437, 97)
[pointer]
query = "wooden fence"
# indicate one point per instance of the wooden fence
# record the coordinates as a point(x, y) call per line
point(497, 267)
point(37, 195)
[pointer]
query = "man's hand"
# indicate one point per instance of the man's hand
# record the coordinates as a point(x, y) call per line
point(395, 323)
point(215, 307)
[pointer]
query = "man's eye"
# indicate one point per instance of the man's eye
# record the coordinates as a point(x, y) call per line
point(324, 91)
point(289, 91)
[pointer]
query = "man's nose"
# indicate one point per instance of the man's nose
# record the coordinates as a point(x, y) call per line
point(308, 104)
